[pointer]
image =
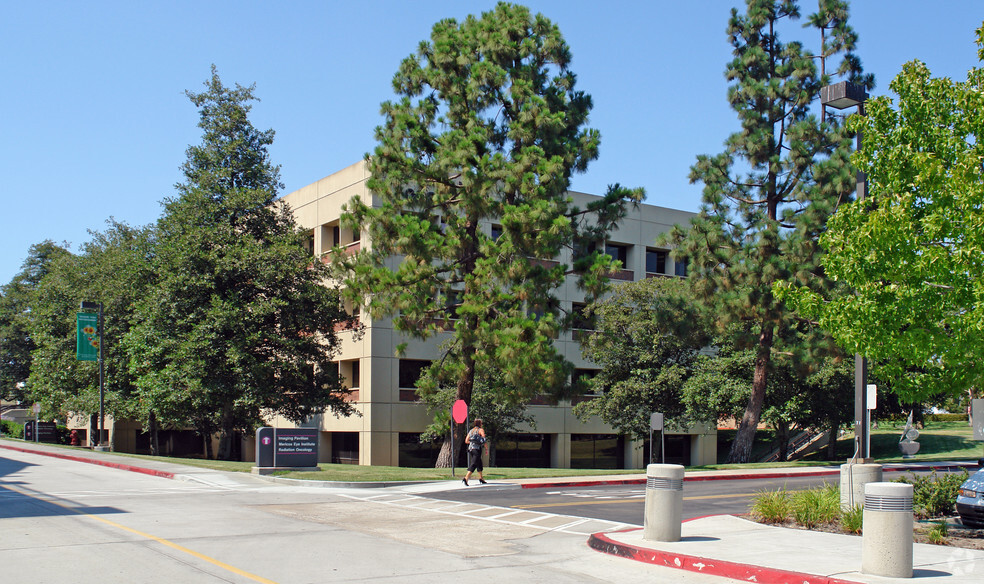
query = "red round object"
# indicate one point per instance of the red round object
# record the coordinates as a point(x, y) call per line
point(459, 411)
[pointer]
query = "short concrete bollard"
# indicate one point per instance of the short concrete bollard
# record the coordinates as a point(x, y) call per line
point(853, 478)
point(664, 502)
point(886, 547)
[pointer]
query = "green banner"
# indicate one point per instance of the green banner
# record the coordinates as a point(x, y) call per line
point(87, 336)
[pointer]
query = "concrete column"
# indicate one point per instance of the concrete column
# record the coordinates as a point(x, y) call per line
point(853, 478)
point(664, 502)
point(886, 547)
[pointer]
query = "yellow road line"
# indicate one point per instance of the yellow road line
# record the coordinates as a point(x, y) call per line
point(159, 540)
point(635, 500)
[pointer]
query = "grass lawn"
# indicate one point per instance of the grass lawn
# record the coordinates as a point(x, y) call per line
point(940, 441)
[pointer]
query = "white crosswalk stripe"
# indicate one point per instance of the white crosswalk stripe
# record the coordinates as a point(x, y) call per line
point(525, 517)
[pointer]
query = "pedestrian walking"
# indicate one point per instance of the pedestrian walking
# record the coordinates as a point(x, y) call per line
point(476, 442)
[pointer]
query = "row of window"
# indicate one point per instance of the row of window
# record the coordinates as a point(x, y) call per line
point(410, 371)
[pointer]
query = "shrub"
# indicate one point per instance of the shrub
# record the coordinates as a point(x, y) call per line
point(771, 506)
point(816, 506)
point(934, 495)
point(938, 532)
point(946, 417)
point(12, 429)
point(852, 520)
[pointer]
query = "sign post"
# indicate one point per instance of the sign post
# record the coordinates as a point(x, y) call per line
point(37, 410)
point(459, 414)
point(977, 418)
point(89, 347)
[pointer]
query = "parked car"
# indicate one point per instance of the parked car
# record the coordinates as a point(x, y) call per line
point(970, 499)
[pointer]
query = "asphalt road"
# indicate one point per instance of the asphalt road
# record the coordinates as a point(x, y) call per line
point(64, 521)
point(626, 503)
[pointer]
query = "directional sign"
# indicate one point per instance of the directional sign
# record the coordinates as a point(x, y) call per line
point(656, 421)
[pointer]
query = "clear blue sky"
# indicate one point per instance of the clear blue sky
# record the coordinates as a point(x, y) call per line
point(95, 122)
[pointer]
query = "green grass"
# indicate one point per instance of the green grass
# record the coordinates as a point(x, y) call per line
point(938, 440)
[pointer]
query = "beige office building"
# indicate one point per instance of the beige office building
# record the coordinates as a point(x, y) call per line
point(387, 432)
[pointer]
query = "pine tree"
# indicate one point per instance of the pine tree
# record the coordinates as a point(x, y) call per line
point(489, 128)
point(239, 323)
point(767, 197)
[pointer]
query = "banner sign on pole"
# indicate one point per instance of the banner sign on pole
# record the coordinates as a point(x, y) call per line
point(86, 336)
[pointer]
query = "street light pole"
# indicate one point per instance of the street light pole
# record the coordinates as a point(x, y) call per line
point(97, 306)
point(839, 96)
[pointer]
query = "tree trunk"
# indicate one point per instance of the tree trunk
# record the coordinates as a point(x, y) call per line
point(741, 448)
point(155, 447)
point(94, 430)
point(782, 435)
point(208, 445)
point(832, 443)
point(464, 392)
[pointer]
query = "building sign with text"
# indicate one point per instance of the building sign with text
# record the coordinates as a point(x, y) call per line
point(286, 447)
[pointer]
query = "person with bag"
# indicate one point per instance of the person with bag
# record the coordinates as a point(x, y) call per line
point(475, 440)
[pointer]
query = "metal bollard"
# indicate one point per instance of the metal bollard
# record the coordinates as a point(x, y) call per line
point(664, 502)
point(853, 478)
point(886, 532)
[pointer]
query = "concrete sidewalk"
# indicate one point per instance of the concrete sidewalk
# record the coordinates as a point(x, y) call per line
point(727, 546)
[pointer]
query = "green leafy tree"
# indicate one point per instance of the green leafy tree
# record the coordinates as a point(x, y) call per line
point(767, 197)
point(648, 336)
point(499, 417)
point(912, 252)
point(111, 268)
point(16, 302)
point(238, 324)
point(488, 128)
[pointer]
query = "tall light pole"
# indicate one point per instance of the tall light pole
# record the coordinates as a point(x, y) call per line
point(98, 307)
point(840, 96)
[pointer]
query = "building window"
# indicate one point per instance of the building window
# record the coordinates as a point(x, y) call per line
point(356, 375)
point(618, 252)
point(581, 321)
point(345, 447)
point(680, 268)
point(416, 454)
point(410, 371)
point(523, 450)
point(496, 232)
point(656, 261)
point(597, 451)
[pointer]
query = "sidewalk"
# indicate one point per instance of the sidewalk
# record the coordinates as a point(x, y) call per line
point(721, 545)
point(727, 546)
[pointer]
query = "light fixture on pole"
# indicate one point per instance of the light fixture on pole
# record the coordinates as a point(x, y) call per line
point(840, 96)
point(98, 307)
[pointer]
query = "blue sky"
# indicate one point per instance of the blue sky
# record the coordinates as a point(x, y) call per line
point(95, 122)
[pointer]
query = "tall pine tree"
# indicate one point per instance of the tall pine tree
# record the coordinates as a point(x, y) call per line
point(239, 323)
point(767, 197)
point(489, 128)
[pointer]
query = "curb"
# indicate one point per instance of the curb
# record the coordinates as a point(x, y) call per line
point(745, 572)
point(116, 465)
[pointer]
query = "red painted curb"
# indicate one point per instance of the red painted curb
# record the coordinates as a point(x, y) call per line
point(733, 570)
point(583, 483)
point(116, 465)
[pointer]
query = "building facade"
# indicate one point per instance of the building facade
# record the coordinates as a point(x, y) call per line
point(391, 421)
